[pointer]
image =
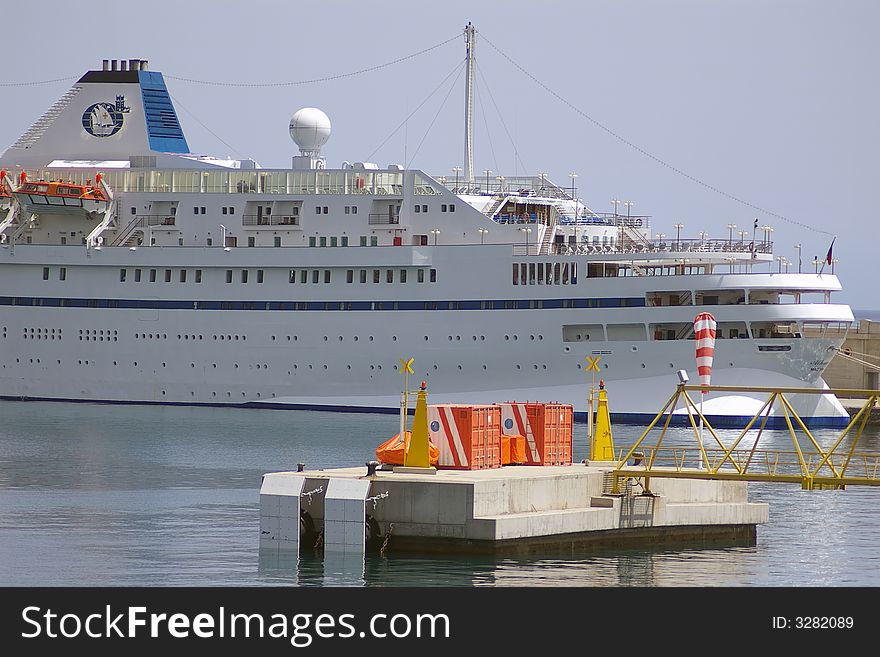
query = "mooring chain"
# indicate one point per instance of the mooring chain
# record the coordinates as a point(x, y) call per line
point(308, 496)
point(386, 539)
point(375, 499)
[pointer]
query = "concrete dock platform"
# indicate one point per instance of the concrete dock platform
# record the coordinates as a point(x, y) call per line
point(550, 509)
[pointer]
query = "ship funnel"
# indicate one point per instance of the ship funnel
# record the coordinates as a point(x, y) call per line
point(117, 112)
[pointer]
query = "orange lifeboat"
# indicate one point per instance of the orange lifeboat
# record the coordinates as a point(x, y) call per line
point(59, 197)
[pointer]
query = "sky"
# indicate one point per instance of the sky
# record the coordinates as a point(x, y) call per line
point(772, 103)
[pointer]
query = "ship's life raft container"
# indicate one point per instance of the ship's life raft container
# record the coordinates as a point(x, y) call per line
point(392, 450)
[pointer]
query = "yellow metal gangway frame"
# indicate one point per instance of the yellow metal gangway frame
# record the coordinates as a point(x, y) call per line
point(822, 468)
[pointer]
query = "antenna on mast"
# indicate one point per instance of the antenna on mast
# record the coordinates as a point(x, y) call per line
point(470, 39)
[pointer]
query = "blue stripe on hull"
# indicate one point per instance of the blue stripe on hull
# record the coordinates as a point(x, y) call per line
point(639, 419)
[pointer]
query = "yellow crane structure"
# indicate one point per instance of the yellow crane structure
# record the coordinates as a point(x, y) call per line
point(808, 463)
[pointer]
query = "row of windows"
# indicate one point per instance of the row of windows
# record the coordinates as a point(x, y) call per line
point(39, 333)
point(323, 367)
point(182, 304)
point(541, 273)
point(62, 273)
point(333, 240)
point(167, 276)
point(303, 276)
point(418, 209)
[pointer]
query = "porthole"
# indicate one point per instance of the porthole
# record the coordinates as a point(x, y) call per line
point(643, 366)
point(518, 367)
point(606, 366)
point(531, 337)
point(325, 338)
point(634, 348)
point(507, 337)
point(567, 349)
point(535, 366)
point(393, 338)
point(484, 367)
point(459, 367)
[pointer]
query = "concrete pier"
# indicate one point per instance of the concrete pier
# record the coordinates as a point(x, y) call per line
point(522, 510)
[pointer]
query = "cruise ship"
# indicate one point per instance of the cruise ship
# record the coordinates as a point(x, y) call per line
point(136, 271)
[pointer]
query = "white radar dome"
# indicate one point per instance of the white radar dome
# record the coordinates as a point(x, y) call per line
point(310, 129)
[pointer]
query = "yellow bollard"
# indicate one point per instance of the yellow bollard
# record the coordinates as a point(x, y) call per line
point(417, 455)
point(603, 443)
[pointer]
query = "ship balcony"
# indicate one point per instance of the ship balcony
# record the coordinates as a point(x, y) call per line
point(253, 221)
point(383, 219)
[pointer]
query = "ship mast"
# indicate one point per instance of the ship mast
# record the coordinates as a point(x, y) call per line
point(470, 38)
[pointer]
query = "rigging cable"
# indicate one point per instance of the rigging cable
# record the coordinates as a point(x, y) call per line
point(458, 66)
point(34, 83)
point(488, 133)
point(219, 138)
point(501, 118)
point(440, 109)
point(328, 78)
point(646, 153)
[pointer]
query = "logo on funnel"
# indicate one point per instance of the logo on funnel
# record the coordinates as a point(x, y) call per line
point(105, 119)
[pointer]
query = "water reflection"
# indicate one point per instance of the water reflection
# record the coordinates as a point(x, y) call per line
point(116, 495)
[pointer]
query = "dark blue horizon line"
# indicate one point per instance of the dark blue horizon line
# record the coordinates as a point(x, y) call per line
point(637, 419)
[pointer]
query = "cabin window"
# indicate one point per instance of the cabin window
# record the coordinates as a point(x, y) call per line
point(312, 241)
point(46, 273)
point(433, 275)
point(223, 209)
point(152, 276)
point(363, 275)
point(259, 276)
point(198, 275)
point(375, 275)
point(137, 275)
point(326, 211)
point(317, 209)
point(443, 208)
point(389, 275)
point(133, 211)
point(349, 276)
point(277, 240)
point(167, 275)
point(334, 241)
point(452, 207)
point(403, 275)
point(420, 275)
point(244, 275)
point(303, 276)
point(326, 275)
point(343, 241)
point(323, 240)
point(209, 241)
point(363, 240)
point(183, 275)
point(354, 209)
point(62, 274)
point(203, 209)
point(228, 275)
point(516, 273)
point(418, 209)
point(315, 275)
point(291, 276)
point(374, 240)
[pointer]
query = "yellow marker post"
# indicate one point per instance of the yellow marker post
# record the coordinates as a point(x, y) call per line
point(405, 369)
point(603, 446)
point(592, 368)
point(418, 456)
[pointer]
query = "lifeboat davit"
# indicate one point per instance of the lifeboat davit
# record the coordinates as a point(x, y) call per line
point(5, 191)
point(58, 197)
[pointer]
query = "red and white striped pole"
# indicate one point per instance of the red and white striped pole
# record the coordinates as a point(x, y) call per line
point(704, 333)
